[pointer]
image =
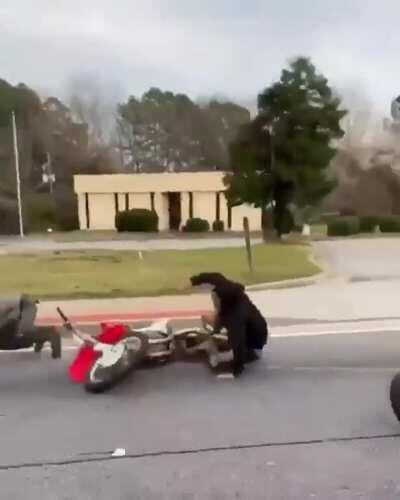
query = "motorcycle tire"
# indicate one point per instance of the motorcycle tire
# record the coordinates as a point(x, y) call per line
point(395, 395)
point(107, 378)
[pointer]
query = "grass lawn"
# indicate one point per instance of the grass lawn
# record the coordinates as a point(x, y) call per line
point(81, 274)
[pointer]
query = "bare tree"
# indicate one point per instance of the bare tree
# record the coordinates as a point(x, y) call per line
point(89, 103)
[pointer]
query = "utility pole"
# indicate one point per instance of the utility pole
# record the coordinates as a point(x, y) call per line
point(48, 175)
point(16, 158)
point(52, 179)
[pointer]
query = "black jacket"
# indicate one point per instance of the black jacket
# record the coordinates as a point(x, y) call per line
point(247, 328)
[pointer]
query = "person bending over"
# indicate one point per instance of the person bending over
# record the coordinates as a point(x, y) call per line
point(247, 329)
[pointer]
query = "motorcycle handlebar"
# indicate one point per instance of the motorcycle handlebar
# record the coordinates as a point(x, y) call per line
point(66, 321)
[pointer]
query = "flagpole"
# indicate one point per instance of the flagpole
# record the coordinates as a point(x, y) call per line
point(16, 158)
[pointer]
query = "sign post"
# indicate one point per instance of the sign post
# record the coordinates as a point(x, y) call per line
point(248, 243)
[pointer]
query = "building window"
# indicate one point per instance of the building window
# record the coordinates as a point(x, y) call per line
point(87, 211)
point(190, 205)
point(126, 201)
point(229, 215)
point(116, 202)
point(152, 202)
point(217, 206)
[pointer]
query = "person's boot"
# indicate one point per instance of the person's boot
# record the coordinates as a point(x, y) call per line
point(51, 335)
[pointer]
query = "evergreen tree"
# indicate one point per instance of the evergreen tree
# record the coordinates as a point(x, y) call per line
point(282, 156)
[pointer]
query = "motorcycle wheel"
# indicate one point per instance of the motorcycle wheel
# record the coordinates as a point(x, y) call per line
point(103, 379)
point(395, 395)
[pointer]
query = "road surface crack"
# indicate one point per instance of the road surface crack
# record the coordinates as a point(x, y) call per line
point(194, 451)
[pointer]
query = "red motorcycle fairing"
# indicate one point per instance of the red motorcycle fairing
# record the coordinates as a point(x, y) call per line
point(87, 355)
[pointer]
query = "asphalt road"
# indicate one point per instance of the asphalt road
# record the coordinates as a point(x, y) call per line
point(367, 259)
point(311, 420)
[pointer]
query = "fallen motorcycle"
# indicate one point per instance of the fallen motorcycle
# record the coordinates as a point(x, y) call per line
point(395, 395)
point(106, 359)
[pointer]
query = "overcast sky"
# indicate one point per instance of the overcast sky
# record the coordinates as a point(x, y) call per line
point(232, 48)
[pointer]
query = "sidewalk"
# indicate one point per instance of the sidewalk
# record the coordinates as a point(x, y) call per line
point(327, 300)
point(130, 309)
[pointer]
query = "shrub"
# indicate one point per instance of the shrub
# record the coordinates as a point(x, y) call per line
point(68, 221)
point(40, 213)
point(343, 226)
point(218, 226)
point(196, 225)
point(390, 224)
point(283, 221)
point(9, 223)
point(137, 220)
point(368, 223)
point(66, 209)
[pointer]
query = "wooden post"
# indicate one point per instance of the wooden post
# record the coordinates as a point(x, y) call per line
point(16, 159)
point(248, 244)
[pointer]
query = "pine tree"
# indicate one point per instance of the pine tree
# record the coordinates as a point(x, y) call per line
point(282, 156)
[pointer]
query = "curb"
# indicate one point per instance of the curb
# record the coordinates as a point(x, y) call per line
point(291, 283)
point(295, 282)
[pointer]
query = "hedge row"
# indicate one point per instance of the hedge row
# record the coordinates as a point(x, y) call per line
point(348, 225)
point(343, 226)
point(42, 211)
point(142, 220)
point(137, 220)
point(196, 225)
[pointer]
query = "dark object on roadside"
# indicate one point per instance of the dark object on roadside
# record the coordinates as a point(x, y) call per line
point(218, 226)
point(395, 395)
point(137, 220)
point(246, 326)
point(18, 329)
point(196, 225)
point(344, 226)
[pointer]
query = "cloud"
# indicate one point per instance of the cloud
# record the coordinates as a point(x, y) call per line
point(227, 46)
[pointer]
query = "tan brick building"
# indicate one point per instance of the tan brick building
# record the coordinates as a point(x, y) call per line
point(175, 197)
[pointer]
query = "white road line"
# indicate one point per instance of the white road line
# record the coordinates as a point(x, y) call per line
point(360, 369)
point(381, 329)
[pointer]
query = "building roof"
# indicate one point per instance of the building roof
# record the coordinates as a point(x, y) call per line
point(150, 183)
